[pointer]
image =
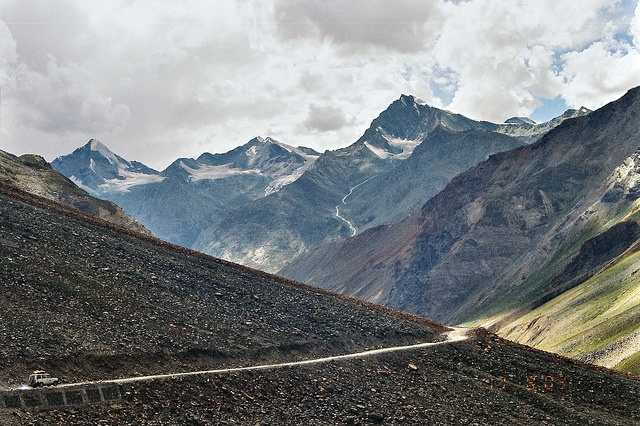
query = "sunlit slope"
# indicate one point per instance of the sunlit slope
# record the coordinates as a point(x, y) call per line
point(597, 321)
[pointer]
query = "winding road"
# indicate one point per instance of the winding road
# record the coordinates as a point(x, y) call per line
point(455, 335)
point(351, 226)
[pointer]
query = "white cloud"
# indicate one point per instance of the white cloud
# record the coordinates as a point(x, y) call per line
point(325, 118)
point(178, 78)
point(635, 26)
point(503, 56)
point(604, 70)
point(617, 70)
point(405, 25)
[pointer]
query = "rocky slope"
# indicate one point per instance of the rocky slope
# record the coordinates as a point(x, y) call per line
point(32, 174)
point(84, 299)
point(483, 381)
point(87, 300)
point(492, 242)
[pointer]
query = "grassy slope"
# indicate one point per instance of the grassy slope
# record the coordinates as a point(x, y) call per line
point(586, 321)
point(595, 321)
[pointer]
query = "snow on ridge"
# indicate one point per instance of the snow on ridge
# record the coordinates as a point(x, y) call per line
point(206, 172)
point(281, 181)
point(406, 145)
point(378, 152)
point(102, 149)
point(128, 181)
point(278, 183)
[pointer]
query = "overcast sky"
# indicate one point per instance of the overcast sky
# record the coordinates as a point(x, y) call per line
point(155, 80)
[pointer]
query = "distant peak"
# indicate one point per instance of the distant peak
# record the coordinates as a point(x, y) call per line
point(96, 145)
point(519, 120)
point(261, 140)
point(576, 112)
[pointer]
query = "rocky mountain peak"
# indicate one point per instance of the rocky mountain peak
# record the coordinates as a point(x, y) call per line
point(571, 112)
point(520, 121)
point(410, 100)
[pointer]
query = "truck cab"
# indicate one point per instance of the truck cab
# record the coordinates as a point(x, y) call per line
point(42, 378)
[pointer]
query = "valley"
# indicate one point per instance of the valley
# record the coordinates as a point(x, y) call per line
point(530, 243)
point(296, 212)
point(104, 320)
point(343, 202)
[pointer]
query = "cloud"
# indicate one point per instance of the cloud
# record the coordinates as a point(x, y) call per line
point(503, 57)
point(179, 78)
point(404, 26)
point(635, 26)
point(63, 99)
point(617, 70)
point(604, 70)
point(324, 118)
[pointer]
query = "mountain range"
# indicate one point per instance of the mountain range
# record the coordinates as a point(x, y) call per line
point(538, 243)
point(531, 231)
point(191, 194)
point(265, 203)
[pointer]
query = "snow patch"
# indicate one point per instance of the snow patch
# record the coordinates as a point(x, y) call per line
point(407, 146)
point(128, 181)
point(100, 148)
point(205, 172)
point(378, 152)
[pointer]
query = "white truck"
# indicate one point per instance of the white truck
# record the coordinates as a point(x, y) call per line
point(42, 378)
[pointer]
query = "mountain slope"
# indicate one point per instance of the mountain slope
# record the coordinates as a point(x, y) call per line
point(270, 232)
point(596, 321)
point(87, 300)
point(31, 173)
point(84, 300)
point(389, 197)
point(264, 203)
point(491, 242)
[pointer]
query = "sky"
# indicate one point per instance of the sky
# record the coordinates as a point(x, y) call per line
point(156, 80)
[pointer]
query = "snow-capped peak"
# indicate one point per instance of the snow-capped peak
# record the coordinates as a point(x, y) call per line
point(520, 121)
point(96, 167)
point(99, 147)
point(412, 100)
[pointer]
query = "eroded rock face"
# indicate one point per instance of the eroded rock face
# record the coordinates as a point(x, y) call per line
point(625, 180)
